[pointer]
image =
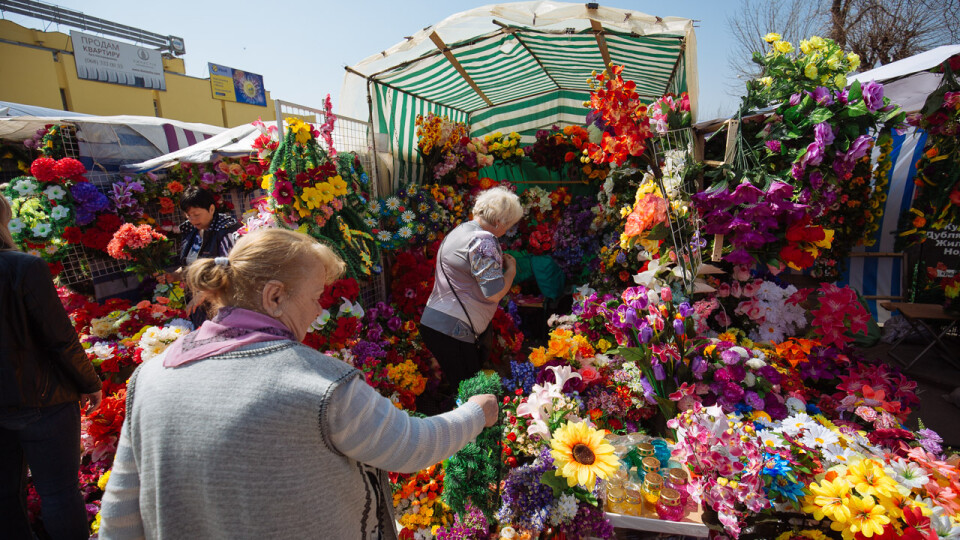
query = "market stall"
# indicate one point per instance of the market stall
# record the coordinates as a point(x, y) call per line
point(728, 401)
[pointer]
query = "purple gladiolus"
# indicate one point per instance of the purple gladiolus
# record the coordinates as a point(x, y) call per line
point(779, 192)
point(746, 193)
point(872, 95)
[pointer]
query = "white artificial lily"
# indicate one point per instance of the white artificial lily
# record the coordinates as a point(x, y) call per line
point(349, 309)
point(321, 321)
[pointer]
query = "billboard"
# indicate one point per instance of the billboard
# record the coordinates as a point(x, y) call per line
point(231, 84)
point(106, 60)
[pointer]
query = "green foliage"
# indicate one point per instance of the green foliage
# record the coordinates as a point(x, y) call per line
point(473, 474)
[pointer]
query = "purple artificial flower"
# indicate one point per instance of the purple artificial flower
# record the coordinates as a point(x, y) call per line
point(207, 179)
point(717, 222)
point(805, 194)
point(646, 333)
point(730, 357)
point(779, 191)
point(930, 441)
point(816, 179)
point(872, 95)
point(859, 148)
point(795, 99)
point(678, 327)
point(746, 193)
point(648, 394)
point(814, 155)
point(754, 400)
point(394, 323)
point(698, 366)
point(685, 309)
point(770, 373)
point(774, 146)
point(731, 393)
point(841, 96)
point(822, 96)
point(774, 407)
point(823, 134)
point(739, 256)
point(797, 170)
point(374, 332)
point(658, 371)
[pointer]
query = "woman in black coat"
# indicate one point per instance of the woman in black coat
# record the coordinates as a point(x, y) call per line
point(44, 377)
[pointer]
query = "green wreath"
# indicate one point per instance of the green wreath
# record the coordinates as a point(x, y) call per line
point(39, 216)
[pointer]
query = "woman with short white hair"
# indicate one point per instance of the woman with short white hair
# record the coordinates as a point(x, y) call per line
point(471, 277)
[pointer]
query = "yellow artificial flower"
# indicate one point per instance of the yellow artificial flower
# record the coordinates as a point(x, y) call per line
point(538, 357)
point(325, 190)
point(866, 517)
point(830, 499)
point(267, 182)
point(783, 47)
point(766, 81)
point(312, 197)
point(854, 60)
point(868, 478)
point(339, 185)
point(772, 37)
point(827, 239)
point(102, 482)
point(300, 130)
point(582, 455)
point(840, 81)
point(817, 42)
point(604, 345)
point(811, 71)
point(805, 47)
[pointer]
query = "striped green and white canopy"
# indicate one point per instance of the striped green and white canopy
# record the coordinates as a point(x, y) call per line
point(514, 67)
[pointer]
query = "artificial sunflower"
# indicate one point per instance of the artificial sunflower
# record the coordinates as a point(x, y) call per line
point(581, 454)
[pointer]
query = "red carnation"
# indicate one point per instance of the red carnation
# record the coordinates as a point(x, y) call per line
point(69, 169)
point(43, 169)
point(72, 235)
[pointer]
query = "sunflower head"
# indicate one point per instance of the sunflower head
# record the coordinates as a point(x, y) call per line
point(582, 455)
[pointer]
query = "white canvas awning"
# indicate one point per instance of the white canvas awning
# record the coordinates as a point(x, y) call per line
point(233, 142)
point(908, 82)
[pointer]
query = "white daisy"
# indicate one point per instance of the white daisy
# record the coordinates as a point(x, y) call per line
point(15, 226)
point(55, 193)
point(907, 473)
point(370, 222)
point(793, 425)
point(384, 236)
point(818, 436)
point(770, 438)
point(408, 216)
point(405, 232)
point(836, 455)
point(392, 203)
point(374, 207)
point(423, 207)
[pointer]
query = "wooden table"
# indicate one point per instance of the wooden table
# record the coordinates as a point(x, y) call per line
point(924, 317)
point(692, 525)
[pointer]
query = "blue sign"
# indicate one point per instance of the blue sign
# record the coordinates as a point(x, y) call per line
point(231, 84)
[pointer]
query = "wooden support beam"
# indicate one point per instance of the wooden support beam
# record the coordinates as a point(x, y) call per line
point(601, 42)
point(456, 64)
point(733, 127)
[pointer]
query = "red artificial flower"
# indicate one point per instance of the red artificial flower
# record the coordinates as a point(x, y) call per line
point(166, 205)
point(72, 235)
point(43, 169)
point(108, 419)
point(69, 169)
point(55, 268)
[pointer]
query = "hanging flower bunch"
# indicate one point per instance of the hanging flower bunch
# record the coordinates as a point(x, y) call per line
point(839, 316)
point(308, 192)
point(443, 146)
point(671, 112)
point(937, 203)
point(146, 250)
point(820, 137)
point(624, 116)
point(218, 176)
point(504, 148)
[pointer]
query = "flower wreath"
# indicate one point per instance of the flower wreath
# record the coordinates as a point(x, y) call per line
point(308, 192)
point(39, 216)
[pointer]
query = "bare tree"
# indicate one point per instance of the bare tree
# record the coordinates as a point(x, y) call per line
point(880, 31)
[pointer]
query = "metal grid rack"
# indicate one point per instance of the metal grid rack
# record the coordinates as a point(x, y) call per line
point(676, 139)
point(349, 135)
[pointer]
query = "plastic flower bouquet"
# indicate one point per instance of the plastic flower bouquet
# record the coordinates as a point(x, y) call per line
point(146, 250)
point(671, 112)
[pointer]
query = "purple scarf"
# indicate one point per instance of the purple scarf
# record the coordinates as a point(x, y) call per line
point(231, 329)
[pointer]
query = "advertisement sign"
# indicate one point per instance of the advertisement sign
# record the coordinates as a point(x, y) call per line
point(106, 60)
point(231, 84)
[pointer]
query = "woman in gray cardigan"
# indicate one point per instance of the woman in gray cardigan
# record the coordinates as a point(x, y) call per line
point(239, 431)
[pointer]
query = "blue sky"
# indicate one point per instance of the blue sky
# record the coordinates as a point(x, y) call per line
point(302, 47)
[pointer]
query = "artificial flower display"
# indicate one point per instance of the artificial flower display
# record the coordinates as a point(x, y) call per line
point(145, 250)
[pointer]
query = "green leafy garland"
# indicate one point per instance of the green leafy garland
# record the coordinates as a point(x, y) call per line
point(473, 474)
point(39, 216)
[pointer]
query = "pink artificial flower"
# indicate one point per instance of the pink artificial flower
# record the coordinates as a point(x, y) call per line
point(723, 290)
point(741, 272)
